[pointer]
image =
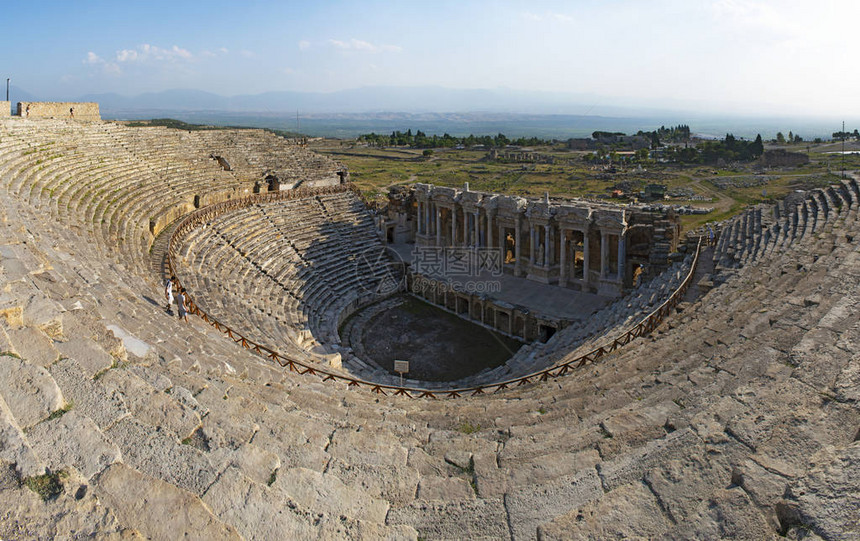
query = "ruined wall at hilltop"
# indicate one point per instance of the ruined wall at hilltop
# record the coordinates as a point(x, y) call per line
point(59, 110)
point(5, 109)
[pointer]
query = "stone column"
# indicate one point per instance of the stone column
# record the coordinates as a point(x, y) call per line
point(621, 258)
point(604, 254)
point(454, 225)
point(420, 218)
point(428, 214)
point(562, 260)
point(476, 242)
point(502, 243)
point(518, 266)
point(489, 238)
point(532, 244)
point(438, 226)
point(546, 244)
point(585, 251)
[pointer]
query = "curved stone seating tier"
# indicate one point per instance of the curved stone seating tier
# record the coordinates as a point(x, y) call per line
point(736, 418)
point(293, 261)
point(122, 185)
point(766, 229)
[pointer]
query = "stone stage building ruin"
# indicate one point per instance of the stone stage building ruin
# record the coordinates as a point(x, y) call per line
point(583, 245)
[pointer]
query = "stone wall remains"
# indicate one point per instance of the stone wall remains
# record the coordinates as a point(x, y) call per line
point(59, 110)
point(5, 109)
point(783, 158)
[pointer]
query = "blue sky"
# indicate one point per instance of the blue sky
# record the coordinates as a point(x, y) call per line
point(737, 56)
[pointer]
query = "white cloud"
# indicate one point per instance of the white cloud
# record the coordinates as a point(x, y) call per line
point(126, 55)
point(220, 51)
point(364, 46)
point(93, 58)
point(110, 68)
point(147, 53)
point(304, 45)
point(547, 16)
point(247, 54)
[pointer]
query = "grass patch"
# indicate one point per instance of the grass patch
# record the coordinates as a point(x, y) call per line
point(60, 412)
point(116, 364)
point(48, 486)
point(273, 477)
point(468, 428)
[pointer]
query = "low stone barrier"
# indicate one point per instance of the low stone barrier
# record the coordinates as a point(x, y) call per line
point(644, 327)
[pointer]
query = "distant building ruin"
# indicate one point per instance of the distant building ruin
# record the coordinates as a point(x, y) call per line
point(60, 110)
point(783, 158)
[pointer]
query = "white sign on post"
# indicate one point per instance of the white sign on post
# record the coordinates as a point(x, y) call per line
point(401, 367)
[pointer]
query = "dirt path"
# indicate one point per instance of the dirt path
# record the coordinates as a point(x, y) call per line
point(721, 203)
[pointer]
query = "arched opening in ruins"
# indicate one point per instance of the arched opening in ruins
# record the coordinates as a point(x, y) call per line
point(545, 332)
point(225, 165)
point(273, 183)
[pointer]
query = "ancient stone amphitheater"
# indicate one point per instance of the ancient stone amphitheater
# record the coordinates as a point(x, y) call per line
point(733, 416)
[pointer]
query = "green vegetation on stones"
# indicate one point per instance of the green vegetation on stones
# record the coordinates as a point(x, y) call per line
point(60, 412)
point(468, 428)
point(48, 485)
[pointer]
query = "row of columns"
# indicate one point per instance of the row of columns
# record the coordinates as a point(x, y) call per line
point(478, 235)
point(474, 235)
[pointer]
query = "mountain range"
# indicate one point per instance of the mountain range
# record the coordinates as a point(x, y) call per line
point(346, 113)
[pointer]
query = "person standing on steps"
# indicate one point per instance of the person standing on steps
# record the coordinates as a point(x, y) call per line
point(183, 309)
point(168, 293)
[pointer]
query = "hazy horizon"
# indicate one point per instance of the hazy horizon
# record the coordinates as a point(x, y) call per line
point(733, 57)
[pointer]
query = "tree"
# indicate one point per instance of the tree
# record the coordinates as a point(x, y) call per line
point(790, 137)
point(780, 138)
point(655, 141)
point(757, 147)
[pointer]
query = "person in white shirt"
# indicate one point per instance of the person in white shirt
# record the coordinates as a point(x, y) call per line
point(168, 293)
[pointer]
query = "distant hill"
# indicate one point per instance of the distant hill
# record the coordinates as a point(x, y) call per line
point(347, 113)
point(374, 99)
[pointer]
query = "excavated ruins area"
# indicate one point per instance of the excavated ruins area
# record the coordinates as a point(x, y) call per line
point(438, 345)
point(736, 418)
